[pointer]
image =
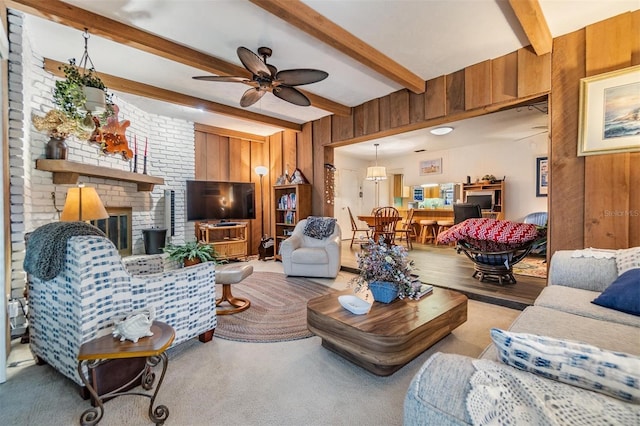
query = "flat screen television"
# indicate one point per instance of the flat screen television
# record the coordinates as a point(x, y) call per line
point(224, 201)
point(484, 199)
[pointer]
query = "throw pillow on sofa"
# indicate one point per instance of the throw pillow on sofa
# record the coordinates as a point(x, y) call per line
point(623, 294)
point(627, 259)
point(612, 373)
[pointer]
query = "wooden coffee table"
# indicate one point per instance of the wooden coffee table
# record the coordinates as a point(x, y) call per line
point(390, 335)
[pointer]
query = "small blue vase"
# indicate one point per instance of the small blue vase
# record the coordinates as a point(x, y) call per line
point(383, 291)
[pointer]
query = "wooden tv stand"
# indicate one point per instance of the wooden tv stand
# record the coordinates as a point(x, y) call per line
point(230, 242)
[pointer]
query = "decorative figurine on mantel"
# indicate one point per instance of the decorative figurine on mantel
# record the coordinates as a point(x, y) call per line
point(112, 136)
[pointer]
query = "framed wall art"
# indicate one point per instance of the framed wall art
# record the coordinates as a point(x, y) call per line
point(542, 177)
point(610, 112)
point(431, 167)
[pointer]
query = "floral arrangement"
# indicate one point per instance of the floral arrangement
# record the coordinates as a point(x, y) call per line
point(58, 125)
point(383, 262)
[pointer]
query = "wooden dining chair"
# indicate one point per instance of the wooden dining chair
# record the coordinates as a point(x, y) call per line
point(407, 231)
point(385, 220)
point(355, 229)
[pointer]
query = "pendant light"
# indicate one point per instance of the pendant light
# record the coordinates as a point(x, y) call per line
point(376, 172)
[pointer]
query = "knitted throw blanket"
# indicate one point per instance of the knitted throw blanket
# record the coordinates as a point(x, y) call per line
point(46, 247)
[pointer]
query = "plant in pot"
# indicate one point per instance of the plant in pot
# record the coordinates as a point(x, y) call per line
point(386, 271)
point(191, 253)
point(81, 94)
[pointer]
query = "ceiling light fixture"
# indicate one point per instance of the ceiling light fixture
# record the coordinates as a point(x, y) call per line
point(439, 131)
point(376, 172)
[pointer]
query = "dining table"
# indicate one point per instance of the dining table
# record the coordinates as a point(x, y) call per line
point(381, 224)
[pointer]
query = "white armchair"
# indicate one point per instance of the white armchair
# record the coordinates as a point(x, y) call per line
point(307, 256)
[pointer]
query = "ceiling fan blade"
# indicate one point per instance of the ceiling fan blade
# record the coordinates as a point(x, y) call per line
point(292, 95)
point(251, 96)
point(253, 62)
point(298, 77)
point(222, 78)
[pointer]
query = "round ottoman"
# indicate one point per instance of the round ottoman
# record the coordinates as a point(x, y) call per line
point(229, 275)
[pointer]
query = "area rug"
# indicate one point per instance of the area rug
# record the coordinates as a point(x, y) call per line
point(278, 310)
point(532, 266)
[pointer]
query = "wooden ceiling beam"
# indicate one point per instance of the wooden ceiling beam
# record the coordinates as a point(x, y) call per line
point(308, 20)
point(152, 92)
point(78, 18)
point(230, 133)
point(534, 24)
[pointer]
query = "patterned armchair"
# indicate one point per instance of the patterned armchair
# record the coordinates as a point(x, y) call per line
point(94, 288)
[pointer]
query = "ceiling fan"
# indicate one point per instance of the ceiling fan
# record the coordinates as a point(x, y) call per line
point(267, 78)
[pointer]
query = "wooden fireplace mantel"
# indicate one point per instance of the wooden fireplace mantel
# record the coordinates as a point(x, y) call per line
point(68, 172)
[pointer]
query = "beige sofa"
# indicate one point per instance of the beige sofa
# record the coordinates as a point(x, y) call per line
point(437, 394)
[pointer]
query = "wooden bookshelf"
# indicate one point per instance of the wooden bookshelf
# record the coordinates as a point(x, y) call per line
point(287, 215)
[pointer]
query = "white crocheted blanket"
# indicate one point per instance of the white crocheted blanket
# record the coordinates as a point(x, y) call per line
point(503, 395)
point(595, 253)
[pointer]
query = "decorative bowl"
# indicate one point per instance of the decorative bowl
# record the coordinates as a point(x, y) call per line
point(354, 304)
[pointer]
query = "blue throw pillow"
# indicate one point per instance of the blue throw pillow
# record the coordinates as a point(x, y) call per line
point(623, 294)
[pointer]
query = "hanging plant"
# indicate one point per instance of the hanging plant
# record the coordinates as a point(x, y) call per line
point(70, 97)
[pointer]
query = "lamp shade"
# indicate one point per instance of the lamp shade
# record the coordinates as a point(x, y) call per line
point(83, 203)
point(376, 173)
point(261, 170)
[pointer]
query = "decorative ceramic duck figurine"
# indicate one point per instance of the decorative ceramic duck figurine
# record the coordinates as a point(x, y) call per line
point(135, 325)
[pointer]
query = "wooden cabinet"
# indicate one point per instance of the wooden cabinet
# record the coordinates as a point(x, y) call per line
point(292, 203)
point(230, 242)
point(398, 183)
point(497, 189)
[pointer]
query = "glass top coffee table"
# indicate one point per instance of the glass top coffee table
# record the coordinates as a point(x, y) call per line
point(390, 335)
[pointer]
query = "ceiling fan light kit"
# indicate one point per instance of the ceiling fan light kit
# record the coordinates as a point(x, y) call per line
point(266, 78)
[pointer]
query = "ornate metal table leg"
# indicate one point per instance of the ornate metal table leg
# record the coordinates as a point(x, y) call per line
point(159, 414)
point(91, 416)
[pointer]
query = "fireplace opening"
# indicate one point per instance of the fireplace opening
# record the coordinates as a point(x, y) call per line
point(117, 227)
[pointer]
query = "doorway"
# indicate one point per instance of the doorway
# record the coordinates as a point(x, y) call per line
point(348, 194)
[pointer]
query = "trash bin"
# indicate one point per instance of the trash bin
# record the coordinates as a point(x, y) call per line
point(154, 240)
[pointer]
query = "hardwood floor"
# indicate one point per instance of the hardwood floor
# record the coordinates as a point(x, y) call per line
point(442, 266)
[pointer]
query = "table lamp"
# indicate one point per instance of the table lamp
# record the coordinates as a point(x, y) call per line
point(83, 204)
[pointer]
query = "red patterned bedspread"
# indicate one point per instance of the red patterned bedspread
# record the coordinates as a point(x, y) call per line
point(497, 231)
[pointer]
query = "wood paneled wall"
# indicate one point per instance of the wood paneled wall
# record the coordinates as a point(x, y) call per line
point(226, 158)
point(475, 90)
point(594, 200)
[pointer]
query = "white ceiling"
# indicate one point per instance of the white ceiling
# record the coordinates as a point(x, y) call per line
point(429, 37)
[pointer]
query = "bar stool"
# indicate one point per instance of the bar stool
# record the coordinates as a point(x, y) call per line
point(443, 225)
point(427, 230)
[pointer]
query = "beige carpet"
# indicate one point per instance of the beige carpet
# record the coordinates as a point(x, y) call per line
point(278, 310)
point(225, 382)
